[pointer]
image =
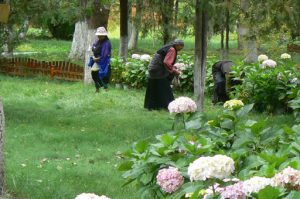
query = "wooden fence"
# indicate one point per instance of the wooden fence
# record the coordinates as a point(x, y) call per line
point(293, 48)
point(30, 67)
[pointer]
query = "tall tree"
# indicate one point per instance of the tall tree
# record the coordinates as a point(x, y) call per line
point(123, 51)
point(248, 33)
point(201, 29)
point(167, 14)
point(135, 24)
point(227, 24)
point(1, 149)
point(21, 11)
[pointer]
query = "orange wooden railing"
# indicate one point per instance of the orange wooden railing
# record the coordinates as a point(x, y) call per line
point(30, 67)
point(293, 48)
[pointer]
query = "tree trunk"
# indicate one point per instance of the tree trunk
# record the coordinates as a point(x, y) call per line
point(227, 34)
point(222, 44)
point(249, 39)
point(167, 16)
point(8, 44)
point(1, 149)
point(201, 28)
point(176, 13)
point(239, 37)
point(90, 38)
point(251, 50)
point(79, 43)
point(133, 40)
point(24, 29)
point(134, 36)
point(123, 51)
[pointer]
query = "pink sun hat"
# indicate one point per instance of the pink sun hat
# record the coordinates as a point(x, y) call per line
point(101, 31)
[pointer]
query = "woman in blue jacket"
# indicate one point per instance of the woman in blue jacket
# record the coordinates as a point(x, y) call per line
point(100, 62)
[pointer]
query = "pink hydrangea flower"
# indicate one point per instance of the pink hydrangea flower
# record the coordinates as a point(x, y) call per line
point(233, 191)
point(269, 63)
point(169, 179)
point(288, 178)
point(182, 105)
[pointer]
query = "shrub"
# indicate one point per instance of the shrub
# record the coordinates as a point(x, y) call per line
point(269, 88)
point(258, 152)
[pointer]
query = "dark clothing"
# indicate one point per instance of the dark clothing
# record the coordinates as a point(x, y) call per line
point(101, 82)
point(158, 94)
point(220, 71)
point(156, 68)
point(161, 72)
point(101, 49)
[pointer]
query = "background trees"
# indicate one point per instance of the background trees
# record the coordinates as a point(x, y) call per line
point(252, 21)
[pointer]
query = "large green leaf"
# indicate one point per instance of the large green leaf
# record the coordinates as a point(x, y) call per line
point(242, 141)
point(227, 124)
point(296, 128)
point(141, 146)
point(293, 195)
point(193, 124)
point(244, 110)
point(168, 139)
point(268, 193)
point(124, 166)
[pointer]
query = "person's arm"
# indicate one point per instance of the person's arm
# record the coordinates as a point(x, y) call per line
point(169, 60)
point(106, 49)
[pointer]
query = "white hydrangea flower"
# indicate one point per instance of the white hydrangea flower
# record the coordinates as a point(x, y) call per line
point(294, 80)
point(279, 76)
point(90, 196)
point(145, 57)
point(289, 178)
point(135, 56)
point(285, 56)
point(179, 65)
point(233, 104)
point(218, 166)
point(269, 63)
point(255, 184)
point(182, 105)
point(262, 58)
point(104, 197)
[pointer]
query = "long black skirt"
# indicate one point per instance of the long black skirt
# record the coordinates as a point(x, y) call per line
point(158, 94)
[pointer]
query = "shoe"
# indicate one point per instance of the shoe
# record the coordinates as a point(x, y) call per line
point(97, 90)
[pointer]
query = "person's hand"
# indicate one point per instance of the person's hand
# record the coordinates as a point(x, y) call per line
point(177, 72)
point(96, 58)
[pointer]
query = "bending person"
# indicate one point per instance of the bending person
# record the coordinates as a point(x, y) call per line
point(161, 72)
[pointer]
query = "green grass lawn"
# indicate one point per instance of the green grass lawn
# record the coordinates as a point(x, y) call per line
point(62, 139)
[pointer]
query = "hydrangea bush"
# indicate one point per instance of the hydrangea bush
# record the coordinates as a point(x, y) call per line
point(270, 85)
point(197, 161)
point(134, 71)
